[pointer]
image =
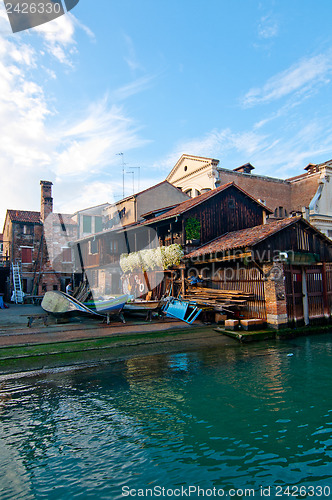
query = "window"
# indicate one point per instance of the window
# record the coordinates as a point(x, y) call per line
point(1, 247)
point(87, 224)
point(26, 255)
point(93, 247)
point(189, 192)
point(66, 254)
point(329, 233)
point(27, 229)
point(98, 224)
point(113, 248)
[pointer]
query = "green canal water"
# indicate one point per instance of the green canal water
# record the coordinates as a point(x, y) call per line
point(238, 421)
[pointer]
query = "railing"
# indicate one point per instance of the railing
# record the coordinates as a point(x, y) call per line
point(4, 261)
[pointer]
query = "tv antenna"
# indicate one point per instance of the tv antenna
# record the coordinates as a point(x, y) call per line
point(139, 175)
point(123, 174)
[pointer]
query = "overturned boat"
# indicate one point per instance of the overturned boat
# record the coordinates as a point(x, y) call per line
point(56, 302)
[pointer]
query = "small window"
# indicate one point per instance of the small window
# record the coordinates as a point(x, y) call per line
point(27, 229)
point(26, 255)
point(55, 287)
point(87, 224)
point(93, 247)
point(189, 192)
point(66, 254)
point(98, 224)
point(329, 233)
point(185, 168)
point(113, 246)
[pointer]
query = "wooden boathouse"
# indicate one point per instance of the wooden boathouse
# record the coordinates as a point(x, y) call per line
point(286, 267)
point(190, 224)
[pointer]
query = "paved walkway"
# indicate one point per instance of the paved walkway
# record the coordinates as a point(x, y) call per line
point(14, 330)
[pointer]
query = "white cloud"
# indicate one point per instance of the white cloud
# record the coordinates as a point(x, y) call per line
point(131, 59)
point(32, 148)
point(300, 77)
point(58, 37)
point(92, 142)
point(85, 196)
point(268, 27)
point(216, 144)
point(138, 85)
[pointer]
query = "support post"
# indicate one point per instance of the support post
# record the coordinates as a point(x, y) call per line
point(275, 295)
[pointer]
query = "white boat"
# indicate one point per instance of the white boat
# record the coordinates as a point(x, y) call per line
point(56, 302)
point(138, 306)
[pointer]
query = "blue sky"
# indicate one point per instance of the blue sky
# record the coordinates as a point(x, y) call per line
point(242, 81)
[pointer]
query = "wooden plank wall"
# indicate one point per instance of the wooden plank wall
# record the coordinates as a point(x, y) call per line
point(225, 212)
point(248, 280)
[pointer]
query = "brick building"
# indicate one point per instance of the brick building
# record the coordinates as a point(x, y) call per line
point(309, 194)
point(25, 242)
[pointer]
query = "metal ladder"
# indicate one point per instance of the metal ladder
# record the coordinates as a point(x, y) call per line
point(18, 291)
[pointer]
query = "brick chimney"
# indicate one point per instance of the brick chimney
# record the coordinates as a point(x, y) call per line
point(244, 169)
point(46, 200)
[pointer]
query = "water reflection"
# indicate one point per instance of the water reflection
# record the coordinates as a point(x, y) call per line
point(232, 417)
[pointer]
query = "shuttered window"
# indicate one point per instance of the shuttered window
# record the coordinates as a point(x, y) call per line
point(98, 224)
point(26, 255)
point(87, 224)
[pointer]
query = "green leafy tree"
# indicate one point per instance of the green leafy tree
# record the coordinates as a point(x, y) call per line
point(193, 229)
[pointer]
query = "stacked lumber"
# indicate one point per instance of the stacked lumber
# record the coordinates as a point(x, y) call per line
point(217, 299)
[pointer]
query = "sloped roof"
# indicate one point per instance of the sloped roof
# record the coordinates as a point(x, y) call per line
point(24, 216)
point(65, 219)
point(193, 202)
point(244, 238)
point(34, 217)
point(162, 183)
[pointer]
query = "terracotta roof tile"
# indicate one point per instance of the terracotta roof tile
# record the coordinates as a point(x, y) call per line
point(24, 216)
point(243, 238)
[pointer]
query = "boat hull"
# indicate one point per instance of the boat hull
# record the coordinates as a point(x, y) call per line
point(142, 306)
point(111, 305)
point(61, 303)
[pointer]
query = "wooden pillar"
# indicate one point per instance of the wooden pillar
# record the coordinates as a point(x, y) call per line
point(183, 282)
point(325, 295)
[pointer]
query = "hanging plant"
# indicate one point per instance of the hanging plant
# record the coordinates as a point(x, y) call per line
point(193, 229)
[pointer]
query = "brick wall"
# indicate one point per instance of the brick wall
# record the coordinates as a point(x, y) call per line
point(303, 190)
point(275, 295)
point(276, 193)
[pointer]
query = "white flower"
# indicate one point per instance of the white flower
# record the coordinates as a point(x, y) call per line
point(152, 258)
